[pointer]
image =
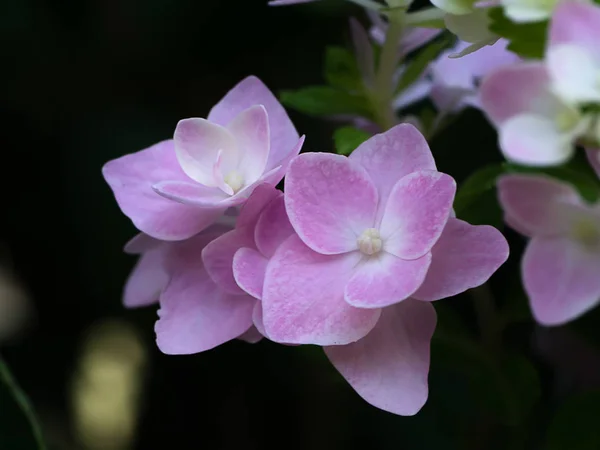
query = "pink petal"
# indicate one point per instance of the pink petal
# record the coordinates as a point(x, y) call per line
point(249, 92)
point(534, 140)
point(575, 22)
point(414, 38)
point(303, 298)
point(249, 269)
point(391, 155)
point(251, 131)
point(330, 201)
point(416, 213)
point(273, 227)
point(593, 155)
point(512, 90)
point(147, 279)
point(257, 317)
point(194, 194)
point(384, 280)
point(195, 315)
point(464, 257)
point(533, 202)
point(252, 336)
point(561, 278)
point(218, 258)
point(197, 145)
point(261, 196)
point(141, 243)
point(131, 178)
point(389, 367)
point(276, 174)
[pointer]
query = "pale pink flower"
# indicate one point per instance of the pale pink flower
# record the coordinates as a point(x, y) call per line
point(373, 230)
point(174, 189)
point(561, 263)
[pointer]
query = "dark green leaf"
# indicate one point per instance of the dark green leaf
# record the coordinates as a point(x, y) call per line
point(575, 425)
point(480, 182)
point(341, 69)
point(416, 66)
point(347, 139)
point(19, 428)
point(526, 39)
point(325, 101)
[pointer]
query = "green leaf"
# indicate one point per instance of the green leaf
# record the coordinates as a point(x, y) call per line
point(341, 69)
point(347, 139)
point(416, 66)
point(505, 389)
point(526, 39)
point(481, 181)
point(325, 101)
point(576, 172)
point(575, 424)
point(19, 428)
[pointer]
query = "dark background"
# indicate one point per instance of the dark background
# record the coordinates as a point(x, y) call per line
point(87, 81)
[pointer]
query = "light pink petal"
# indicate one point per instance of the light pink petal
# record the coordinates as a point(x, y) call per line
point(575, 22)
point(131, 178)
point(593, 155)
point(257, 317)
point(194, 194)
point(261, 196)
point(198, 142)
point(330, 201)
point(535, 140)
point(251, 131)
point(414, 38)
point(141, 243)
point(195, 315)
point(464, 257)
point(273, 227)
point(561, 279)
point(249, 92)
point(249, 269)
point(147, 279)
point(218, 258)
point(276, 174)
point(512, 90)
point(533, 202)
point(416, 213)
point(391, 155)
point(389, 367)
point(252, 336)
point(384, 280)
point(303, 298)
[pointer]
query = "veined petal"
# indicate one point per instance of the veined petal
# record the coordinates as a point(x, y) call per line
point(389, 367)
point(273, 227)
point(147, 279)
point(330, 201)
point(298, 312)
point(249, 269)
point(416, 212)
point(385, 280)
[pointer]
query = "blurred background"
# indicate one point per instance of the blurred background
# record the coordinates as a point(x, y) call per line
point(87, 81)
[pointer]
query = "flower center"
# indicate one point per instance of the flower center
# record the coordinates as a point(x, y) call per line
point(566, 120)
point(369, 242)
point(234, 180)
point(587, 233)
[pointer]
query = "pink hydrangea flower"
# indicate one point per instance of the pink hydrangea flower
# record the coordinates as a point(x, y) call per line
point(176, 188)
point(455, 81)
point(371, 231)
point(561, 263)
point(538, 106)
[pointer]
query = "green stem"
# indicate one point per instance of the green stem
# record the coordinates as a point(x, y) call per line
point(383, 92)
point(23, 402)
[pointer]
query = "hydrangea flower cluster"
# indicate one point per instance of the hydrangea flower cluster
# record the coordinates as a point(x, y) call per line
point(349, 257)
